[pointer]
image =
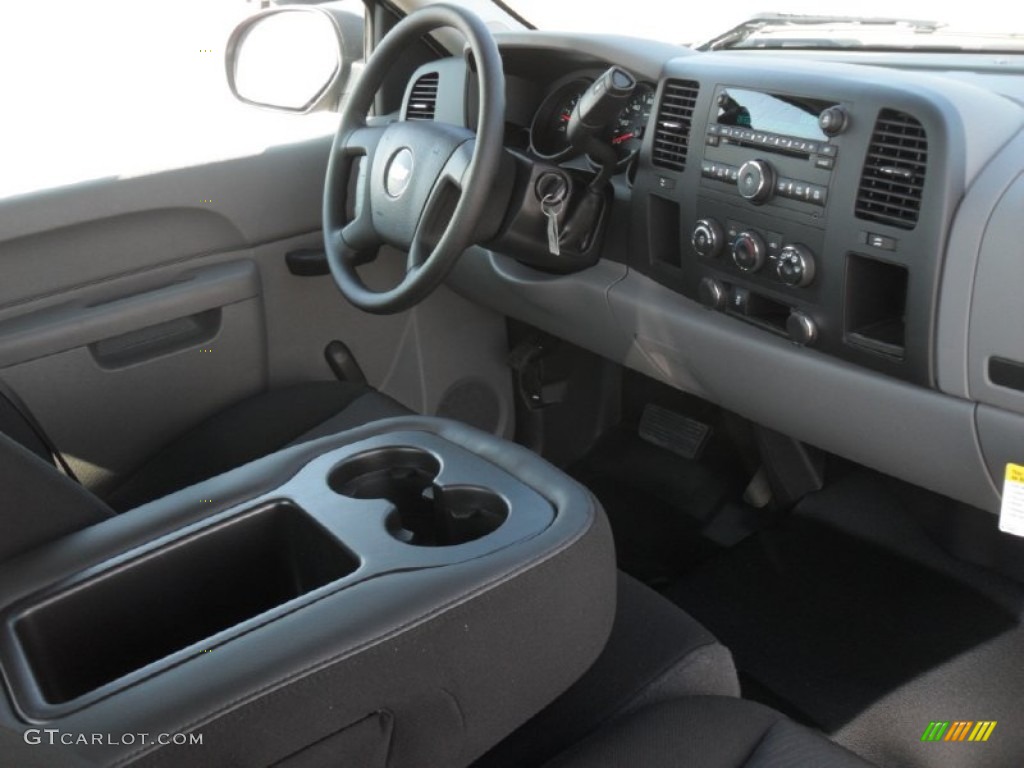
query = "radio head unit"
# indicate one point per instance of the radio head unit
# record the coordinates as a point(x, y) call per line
point(772, 147)
point(776, 114)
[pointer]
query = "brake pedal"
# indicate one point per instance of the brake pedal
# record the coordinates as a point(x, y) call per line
point(674, 432)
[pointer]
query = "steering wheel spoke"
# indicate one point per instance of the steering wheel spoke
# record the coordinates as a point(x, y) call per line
point(361, 140)
point(420, 186)
point(440, 206)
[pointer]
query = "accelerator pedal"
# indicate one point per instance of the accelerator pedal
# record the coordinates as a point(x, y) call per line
point(674, 432)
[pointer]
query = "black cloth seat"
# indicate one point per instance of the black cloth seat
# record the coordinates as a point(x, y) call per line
point(656, 652)
point(710, 732)
point(45, 505)
point(250, 429)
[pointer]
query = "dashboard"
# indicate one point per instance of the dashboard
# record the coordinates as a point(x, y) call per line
point(828, 248)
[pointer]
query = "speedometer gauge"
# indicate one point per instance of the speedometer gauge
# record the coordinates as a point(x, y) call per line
point(628, 130)
point(548, 132)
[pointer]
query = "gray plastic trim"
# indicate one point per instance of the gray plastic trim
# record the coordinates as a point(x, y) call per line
point(907, 431)
point(962, 262)
point(572, 306)
point(903, 430)
point(76, 324)
point(997, 311)
point(1001, 435)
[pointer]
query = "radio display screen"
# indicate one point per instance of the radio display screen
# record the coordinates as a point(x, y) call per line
point(773, 113)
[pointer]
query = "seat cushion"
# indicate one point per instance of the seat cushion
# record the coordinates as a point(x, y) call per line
point(39, 503)
point(656, 652)
point(248, 430)
point(710, 732)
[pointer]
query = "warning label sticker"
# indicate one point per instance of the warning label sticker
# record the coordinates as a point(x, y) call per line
point(1011, 514)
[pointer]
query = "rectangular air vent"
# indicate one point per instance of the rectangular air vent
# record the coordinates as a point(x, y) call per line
point(893, 177)
point(423, 98)
point(672, 132)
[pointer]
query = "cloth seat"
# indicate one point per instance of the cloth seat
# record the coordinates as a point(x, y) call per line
point(656, 652)
point(710, 732)
point(251, 429)
point(43, 504)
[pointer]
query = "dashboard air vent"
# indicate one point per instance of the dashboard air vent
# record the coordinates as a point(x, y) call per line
point(672, 133)
point(423, 98)
point(893, 177)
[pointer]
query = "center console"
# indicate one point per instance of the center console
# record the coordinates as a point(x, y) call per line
point(811, 207)
point(406, 593)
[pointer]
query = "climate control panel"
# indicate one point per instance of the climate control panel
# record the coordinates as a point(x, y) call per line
point(753, 252)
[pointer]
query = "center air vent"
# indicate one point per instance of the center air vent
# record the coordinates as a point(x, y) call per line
point(893, 178)
point(423, 98)
point(672, 133)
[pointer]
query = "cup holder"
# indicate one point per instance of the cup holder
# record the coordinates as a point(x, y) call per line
point(425, 514)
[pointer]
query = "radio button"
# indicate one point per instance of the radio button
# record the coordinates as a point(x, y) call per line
point(825, 163)
point(755, 181)
point(712, 293)
point(830, 150)
point(832, 121)
point(801, 328)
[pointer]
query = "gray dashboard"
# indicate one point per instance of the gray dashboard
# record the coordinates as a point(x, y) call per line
point(916, 363)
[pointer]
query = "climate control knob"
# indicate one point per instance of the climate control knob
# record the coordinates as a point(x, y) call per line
point(795, 266)
point(755, 181)
point(707, 238)
point(748, 251)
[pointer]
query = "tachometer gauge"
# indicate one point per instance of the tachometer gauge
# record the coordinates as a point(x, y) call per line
point(628, 130)
point(548, 131)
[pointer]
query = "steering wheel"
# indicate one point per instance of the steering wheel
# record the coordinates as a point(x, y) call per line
point(422, 186)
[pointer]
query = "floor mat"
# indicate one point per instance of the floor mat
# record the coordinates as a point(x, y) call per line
point(656, 502)
point(867, 643)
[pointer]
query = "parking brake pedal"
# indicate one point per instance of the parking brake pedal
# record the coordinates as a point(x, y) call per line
point(672, 431)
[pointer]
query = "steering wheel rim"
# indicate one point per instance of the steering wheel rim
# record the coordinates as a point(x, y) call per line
point(412, 172)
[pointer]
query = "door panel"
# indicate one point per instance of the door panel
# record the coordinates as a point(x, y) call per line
point(130, 309)
point(99, 315)
point(106, 419)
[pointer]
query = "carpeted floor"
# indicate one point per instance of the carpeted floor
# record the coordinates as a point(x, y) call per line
point(845, 615)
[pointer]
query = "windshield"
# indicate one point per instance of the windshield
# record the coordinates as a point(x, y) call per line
point(980, 25)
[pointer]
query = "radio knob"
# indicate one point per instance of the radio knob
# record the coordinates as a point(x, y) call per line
point(833, 121)
point(795, 266)
point(801, 328)
point(711, 293)
point(707, 238)
point(748, 251)
point(755, 181)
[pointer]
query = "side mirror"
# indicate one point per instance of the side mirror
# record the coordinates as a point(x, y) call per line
point(295, 59)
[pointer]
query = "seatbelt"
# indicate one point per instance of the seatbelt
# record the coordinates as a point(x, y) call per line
point(22, 410)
